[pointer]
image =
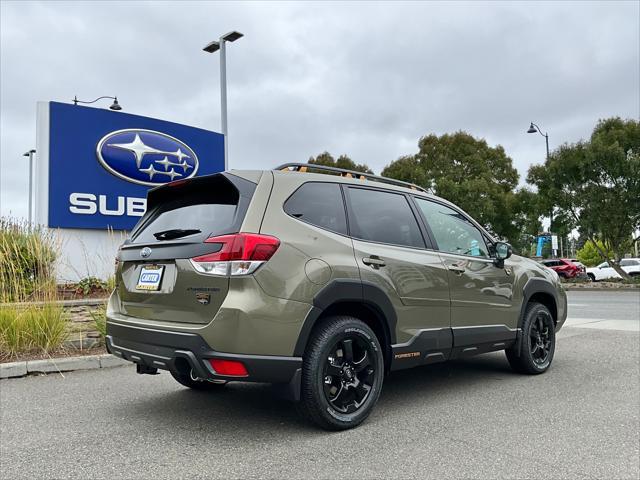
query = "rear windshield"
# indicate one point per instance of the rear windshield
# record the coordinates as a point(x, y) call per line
point(192, 213)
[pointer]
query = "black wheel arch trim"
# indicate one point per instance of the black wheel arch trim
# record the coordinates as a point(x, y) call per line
point(347, 291)
point(537, 285)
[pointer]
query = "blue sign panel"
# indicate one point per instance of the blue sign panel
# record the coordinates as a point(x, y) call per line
point(101, 163)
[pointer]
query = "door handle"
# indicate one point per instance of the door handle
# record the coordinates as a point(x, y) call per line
point(373, 261)
point(456, 268)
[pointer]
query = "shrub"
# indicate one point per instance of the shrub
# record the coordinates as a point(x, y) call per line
point(12, 333)
point(111, 284)
point(27, 257)
point(590, 256)
point(34, 327)
point(90, 284)
point(99, 316)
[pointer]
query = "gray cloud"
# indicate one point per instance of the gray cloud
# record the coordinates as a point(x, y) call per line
point(358, 78)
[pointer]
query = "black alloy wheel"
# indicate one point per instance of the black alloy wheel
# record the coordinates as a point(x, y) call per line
point(534, 352)
point(349, 374)
point(540, 337)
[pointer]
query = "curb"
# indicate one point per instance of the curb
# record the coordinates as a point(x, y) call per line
point(602, 289)
point(59, 365)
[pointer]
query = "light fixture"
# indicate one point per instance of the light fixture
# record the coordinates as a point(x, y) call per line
point(114, 106)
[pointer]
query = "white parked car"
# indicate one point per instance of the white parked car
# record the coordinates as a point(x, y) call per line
point(605, 271)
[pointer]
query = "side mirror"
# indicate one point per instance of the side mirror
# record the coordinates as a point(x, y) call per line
point(502, 251)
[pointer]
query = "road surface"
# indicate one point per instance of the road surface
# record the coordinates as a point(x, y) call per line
point(472, 419)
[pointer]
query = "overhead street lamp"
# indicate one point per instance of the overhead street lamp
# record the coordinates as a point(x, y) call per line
point(30, 155)
point(114, 106)
point(211, 48)
point(533, 128)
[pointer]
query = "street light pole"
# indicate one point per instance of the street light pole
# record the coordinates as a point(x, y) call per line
point(533, 128)
point(30, 155)
point(223, 99)
point(212, 47)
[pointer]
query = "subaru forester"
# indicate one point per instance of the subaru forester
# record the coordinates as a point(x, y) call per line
point(321, 281)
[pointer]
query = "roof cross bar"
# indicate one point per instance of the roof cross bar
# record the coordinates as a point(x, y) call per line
point(306, 167)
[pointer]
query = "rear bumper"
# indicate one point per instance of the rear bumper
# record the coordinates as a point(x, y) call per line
point(182, 353)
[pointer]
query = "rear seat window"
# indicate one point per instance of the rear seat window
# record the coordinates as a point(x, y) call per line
point(383, 217)
point(319, 204)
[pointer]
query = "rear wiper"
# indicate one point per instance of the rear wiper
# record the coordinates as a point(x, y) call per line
point(175, 233)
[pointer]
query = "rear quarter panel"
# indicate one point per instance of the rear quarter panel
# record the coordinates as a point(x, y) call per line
point(309, 257)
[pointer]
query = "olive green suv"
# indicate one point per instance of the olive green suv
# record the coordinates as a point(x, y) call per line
point(321, 281)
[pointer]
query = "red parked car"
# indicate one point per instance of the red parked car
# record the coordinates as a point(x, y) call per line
point(564, 267)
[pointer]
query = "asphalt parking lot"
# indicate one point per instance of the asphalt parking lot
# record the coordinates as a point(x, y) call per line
point(464, 419)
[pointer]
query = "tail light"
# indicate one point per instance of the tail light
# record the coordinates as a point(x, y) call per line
point(239, 254)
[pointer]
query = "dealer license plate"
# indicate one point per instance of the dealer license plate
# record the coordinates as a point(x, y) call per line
point(150, 277)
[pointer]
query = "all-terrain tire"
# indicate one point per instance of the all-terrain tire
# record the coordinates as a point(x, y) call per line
point(187, 381)
point(538, 342)
point(342, 373)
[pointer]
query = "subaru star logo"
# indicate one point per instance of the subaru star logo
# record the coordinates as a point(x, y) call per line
point(145, 252)
point(146, 157)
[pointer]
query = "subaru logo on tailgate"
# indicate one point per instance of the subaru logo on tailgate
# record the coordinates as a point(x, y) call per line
point(146, 157)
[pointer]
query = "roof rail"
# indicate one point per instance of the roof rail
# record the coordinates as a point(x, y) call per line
point(305, 167)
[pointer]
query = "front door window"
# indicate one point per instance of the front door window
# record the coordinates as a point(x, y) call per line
point(452, 231)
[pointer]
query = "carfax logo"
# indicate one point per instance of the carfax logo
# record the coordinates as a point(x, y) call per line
point(146, 157)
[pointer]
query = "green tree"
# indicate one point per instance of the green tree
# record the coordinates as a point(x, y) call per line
point(343, 161)
point(480, 179)
point(596, 183)
point(525, 216)
point(590, 255)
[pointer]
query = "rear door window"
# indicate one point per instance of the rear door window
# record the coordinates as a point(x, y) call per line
point(319, 204)
point(383, 217)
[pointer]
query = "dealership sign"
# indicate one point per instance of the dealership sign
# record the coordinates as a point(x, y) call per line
point(102, 163)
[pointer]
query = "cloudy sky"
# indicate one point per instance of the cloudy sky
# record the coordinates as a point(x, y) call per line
point(365, 79)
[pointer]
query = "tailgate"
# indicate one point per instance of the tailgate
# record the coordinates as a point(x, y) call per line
point(155, 278)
